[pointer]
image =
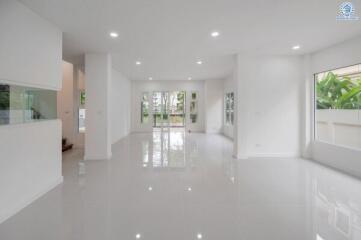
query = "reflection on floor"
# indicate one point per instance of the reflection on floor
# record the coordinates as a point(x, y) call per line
point(175, 185)
point(166, 149)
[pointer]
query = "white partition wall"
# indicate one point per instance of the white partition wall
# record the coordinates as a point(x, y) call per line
point(120, 106)
point(30, 48)
point(214, 106)
point(30, 163)
point(30, 153)
point(268, 103)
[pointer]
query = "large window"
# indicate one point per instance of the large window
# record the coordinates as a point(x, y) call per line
point(337, 106)
point(20, 104)
point(229, 108)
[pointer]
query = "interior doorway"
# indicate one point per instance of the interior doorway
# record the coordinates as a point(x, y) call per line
point(169, 109)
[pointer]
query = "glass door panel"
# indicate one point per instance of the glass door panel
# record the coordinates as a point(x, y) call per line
point(168, 109)
point(177, 109)
point(157, 109)
point(165, 110)
point(160, 109)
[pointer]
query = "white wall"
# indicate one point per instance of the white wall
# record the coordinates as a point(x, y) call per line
point(30, 48)
point(68, 103)
point(30, 163)
point(229, 86)
point(213, 106)
point(65, 103)
point(268, 106)
point(30, 55)
point(98, 70)
point(340, 55)
point(341, 158)
point(341, 127)
point(119, 102)
point(120, 106)
point(138, 87)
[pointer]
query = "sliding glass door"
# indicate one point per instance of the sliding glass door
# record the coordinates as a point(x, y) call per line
point(168, 109)
point(160, 109)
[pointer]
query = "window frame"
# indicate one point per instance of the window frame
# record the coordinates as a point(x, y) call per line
point(314, 99)
point(229, 108)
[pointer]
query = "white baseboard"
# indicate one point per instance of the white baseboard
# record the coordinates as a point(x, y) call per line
point(226, 136)
point(213, 132)
point(120, 139)
point(26, 202)
point(274, 155)
point(97, 158)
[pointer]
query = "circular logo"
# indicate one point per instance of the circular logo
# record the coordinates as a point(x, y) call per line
point(346, 9)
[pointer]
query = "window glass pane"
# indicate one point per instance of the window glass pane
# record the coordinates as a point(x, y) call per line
point(337, 107)
point(144, 108)
point(24, 104)
point(228, 117)
point(82, 98)
point(229, 108)
point(176, 108)
point(81, 119)
point(193, 113)
point(194, 95)
point(81, 113)
point(4, 104)
point(157, 109)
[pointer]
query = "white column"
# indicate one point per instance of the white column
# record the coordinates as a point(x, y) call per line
point(241, 114)
point(98, 68)
point(307, 108)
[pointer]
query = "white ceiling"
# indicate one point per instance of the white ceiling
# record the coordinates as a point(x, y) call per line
point(169, 36)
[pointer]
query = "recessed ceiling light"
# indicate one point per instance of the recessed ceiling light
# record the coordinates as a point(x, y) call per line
point(199, 236)
point(114, 34)
point(150, 78)
point(150, 189)
point(215, 34)
point(138, 236)
point(189, 78)
point(296, 47)
point(189, 189)
point(199, 62)
point(138, 62)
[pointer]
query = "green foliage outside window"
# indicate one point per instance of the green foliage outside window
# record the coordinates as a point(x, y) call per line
point(180, 101)
point(4, 97)
point(334, 92)
point(82, 97)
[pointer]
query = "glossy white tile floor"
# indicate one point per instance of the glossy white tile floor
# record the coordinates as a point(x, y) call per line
point(176, 186)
